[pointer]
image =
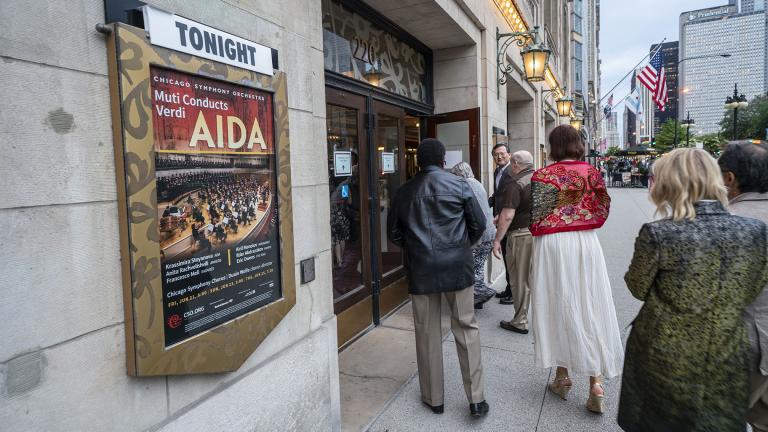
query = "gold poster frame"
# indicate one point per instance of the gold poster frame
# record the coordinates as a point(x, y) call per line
point(226, 347)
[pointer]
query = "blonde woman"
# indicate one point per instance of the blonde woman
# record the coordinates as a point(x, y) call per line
point(687, 357)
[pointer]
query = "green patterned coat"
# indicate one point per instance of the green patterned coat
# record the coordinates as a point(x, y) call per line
point(687, 358)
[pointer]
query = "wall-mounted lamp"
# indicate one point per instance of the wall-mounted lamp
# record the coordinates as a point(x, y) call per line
point(563, 104)
point(372, 74)
point(535, 55)
point(576, 122)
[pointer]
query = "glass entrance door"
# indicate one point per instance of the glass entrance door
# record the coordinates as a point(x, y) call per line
point(348, 174)
point(390, 165)
point(458, 130)
point(367, 164)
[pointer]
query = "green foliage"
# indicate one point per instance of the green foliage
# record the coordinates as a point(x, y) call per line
point(665, 139)
point(612, 151)
point(751, 123)
point(713, 143)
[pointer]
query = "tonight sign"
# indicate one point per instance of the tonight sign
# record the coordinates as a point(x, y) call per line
point(180, 34)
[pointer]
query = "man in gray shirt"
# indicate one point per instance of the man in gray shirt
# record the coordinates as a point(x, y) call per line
point(515, 202)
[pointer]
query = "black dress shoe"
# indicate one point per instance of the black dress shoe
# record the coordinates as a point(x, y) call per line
point(478, 305)
point(505, 293)
point(435, 409)
point(506, 325)
point(478, 409)
point(506, 301)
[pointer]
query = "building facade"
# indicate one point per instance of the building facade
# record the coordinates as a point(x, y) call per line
point(585, 75)
point(644, 120)
point(366, 81)
point(748, 5)
point(708, 78)
point(670, 52)
point(610, 131)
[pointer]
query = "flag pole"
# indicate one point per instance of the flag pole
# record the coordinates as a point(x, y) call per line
point(650, 54)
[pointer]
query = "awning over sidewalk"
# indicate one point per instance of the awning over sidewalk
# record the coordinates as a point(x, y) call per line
point(638, 151)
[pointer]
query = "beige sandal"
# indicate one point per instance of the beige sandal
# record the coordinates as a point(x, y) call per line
point(596, 403)
point(557, 387)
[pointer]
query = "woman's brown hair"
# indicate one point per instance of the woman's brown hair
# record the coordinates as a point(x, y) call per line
point(565, 143)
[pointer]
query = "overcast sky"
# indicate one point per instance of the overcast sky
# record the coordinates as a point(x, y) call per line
point(627, 31)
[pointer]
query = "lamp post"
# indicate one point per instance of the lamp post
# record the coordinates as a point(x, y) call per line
point(735, 102)
point(724, 55)
point(688, 123)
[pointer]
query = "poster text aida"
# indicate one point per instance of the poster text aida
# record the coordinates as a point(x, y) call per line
point(236, 130)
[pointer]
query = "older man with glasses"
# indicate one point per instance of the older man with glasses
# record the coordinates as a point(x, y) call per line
point(501, 157)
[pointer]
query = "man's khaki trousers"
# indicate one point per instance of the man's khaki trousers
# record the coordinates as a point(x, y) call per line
point(429, 344)
point(519, 257)
point(757, 416)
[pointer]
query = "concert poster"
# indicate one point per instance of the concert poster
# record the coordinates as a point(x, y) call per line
point(216, 177)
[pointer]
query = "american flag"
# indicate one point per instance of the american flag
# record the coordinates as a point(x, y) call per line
point(608, 108)
point(653, 78)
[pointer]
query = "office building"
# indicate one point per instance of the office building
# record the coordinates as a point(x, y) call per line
point(610, 131)
point(670, 52)
point(708, 78)
point(748, 5)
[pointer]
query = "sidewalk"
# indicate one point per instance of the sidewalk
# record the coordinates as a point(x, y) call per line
point(515, 388)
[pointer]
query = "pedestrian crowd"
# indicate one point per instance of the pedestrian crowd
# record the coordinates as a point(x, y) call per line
point(697, 356)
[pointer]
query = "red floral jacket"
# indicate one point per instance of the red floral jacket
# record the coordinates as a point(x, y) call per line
point(568, 196)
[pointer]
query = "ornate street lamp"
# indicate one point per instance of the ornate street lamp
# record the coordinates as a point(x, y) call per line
point(688, 123)
point(535, 55)
point(564, 106)
point(576, 122)
point(734, 103)
point(535, 59)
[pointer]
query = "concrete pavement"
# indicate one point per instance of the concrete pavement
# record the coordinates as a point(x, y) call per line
point(515, 388)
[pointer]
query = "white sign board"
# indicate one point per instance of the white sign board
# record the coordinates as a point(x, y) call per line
point(180, 34)
point(452, 157)
point(342, 163)
point(387, 162)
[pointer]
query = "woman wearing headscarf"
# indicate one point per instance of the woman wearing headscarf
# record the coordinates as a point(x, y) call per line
point(482, 249)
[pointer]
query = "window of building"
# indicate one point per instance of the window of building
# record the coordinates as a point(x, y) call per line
point(577, 50)
point(577, 24)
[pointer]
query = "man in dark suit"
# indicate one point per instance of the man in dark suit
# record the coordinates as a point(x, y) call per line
point(436, 219)
point(501, 157)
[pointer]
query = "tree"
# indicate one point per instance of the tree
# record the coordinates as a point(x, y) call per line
point(665, 139)
point(612, 151)
point(752, 122)
point(713, 143)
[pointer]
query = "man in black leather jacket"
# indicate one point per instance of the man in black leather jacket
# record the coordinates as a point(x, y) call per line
point(437, 219)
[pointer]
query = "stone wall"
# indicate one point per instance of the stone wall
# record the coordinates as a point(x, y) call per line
point(62, 353)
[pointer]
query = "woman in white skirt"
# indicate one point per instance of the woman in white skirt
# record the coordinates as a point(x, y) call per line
point(572, 313)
